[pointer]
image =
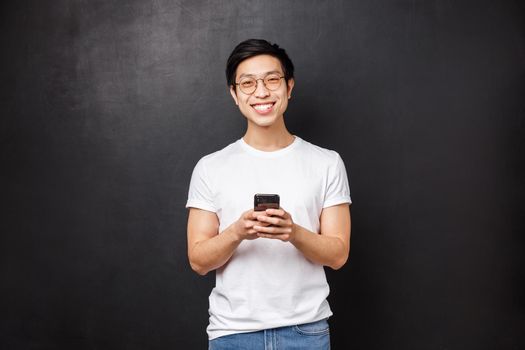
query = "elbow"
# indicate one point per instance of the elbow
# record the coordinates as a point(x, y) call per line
point(197, 264)
point(337, 264)
point(340, 260)
point(198, 268)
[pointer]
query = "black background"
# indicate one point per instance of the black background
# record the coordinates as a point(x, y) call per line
point(106, 106)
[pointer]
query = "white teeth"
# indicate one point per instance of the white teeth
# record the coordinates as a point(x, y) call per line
point(263, 107)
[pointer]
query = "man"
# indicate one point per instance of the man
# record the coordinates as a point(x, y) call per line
point(270, 282)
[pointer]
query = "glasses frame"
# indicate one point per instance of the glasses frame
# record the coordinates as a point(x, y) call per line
point(264, 84)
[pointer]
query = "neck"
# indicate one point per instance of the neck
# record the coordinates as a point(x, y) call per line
point(268, 138)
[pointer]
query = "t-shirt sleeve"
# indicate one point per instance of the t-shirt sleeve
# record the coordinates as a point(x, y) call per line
point(200, 194)
point(338, 189)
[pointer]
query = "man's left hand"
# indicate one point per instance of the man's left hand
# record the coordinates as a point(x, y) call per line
point(282, 226)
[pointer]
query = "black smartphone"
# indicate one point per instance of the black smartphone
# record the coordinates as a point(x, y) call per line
point(263, 201)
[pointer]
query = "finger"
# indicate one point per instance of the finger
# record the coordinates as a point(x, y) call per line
point(256, 213)
point(264, 229)
point(282, 237)
point(263, 224)
point(252, 223)
point(265, 235)
point(274, 230)
point(248, 215)
point(278, 212)
point(270, 220)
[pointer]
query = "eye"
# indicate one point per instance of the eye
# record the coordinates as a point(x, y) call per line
point(273, 79)
point(247, 83)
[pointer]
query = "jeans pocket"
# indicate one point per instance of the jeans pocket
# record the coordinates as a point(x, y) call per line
point(313, 328)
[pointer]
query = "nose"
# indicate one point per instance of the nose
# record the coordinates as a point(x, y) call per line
point(260, 89)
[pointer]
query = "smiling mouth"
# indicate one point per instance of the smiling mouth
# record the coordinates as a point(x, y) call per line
point(263, 107)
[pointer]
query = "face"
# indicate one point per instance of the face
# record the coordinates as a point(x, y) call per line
point(263, 107)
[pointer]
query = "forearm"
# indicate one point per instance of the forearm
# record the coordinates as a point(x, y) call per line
point(321, 249)
point(210, 254)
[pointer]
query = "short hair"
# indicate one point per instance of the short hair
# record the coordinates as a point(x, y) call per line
point(255, 47)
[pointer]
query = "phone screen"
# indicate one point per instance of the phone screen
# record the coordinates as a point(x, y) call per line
point(263, 201)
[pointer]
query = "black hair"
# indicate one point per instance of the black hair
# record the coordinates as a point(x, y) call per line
point(255, 47)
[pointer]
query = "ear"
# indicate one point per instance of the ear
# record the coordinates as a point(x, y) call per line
point(290, 84)
point(234, 95)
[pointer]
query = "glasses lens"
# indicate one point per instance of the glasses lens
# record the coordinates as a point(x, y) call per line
point(248, 85)
point(272, 82)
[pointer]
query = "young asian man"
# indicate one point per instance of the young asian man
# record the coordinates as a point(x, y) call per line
point(270, 282)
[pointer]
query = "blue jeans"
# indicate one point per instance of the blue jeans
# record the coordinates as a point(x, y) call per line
point(308, 336)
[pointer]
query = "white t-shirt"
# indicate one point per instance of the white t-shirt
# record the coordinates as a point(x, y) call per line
point(268, 283)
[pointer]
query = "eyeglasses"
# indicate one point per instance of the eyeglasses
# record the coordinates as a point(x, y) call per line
point(248, 85)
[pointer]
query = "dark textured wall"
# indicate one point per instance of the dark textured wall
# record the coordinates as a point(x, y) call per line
point(107, 105)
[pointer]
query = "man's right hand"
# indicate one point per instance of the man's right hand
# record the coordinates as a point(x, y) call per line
point(243, 228)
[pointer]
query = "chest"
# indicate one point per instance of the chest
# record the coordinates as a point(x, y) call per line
point(299, 184)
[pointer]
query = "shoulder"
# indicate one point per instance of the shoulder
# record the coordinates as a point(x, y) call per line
point(215, 159)
point(318, 154)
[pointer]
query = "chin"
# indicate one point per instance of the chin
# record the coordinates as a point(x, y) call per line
point(266, 121)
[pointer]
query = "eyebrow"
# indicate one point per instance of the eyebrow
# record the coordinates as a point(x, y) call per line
point(264, 74)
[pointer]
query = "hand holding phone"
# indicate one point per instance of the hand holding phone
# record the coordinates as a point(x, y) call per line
point(278, 226)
